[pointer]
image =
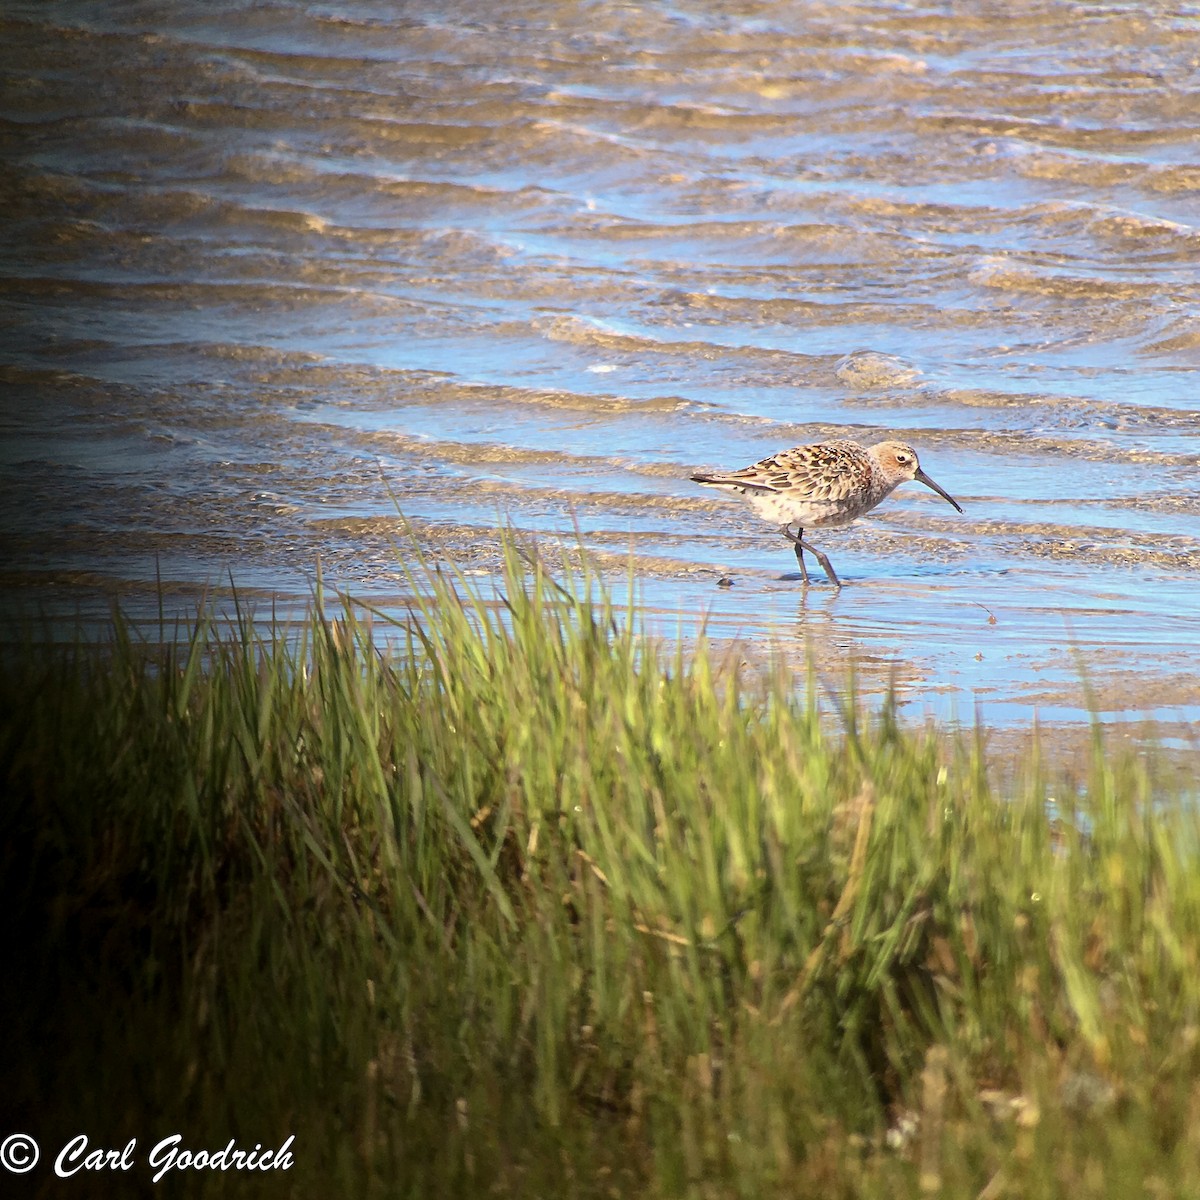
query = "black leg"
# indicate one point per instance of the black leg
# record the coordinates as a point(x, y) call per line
point(794, 538)
point(800, 553)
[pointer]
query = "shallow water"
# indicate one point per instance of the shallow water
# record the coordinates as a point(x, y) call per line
point(272, 270)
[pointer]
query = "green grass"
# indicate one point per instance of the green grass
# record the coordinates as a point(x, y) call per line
point(528, 904)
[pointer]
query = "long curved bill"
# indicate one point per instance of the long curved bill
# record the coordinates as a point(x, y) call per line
point(921, 477)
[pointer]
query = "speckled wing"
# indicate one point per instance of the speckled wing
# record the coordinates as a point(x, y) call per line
point(826, 472)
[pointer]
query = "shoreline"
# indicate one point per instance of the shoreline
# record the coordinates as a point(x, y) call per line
point(947, 654)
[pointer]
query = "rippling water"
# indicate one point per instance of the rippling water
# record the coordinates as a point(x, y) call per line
point(271, 269)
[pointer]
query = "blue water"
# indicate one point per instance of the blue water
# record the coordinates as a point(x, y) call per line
point(280, 279)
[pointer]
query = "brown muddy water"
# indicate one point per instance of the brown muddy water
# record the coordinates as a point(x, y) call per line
point(271, 269)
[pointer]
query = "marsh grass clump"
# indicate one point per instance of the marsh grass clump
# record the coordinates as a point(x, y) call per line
point(506, 897)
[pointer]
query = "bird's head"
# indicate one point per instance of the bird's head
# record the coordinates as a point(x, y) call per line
point(899, 463)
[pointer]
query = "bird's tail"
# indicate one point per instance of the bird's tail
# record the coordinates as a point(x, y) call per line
point(731, 481)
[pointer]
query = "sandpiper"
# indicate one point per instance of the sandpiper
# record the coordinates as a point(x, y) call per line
point(822, 486)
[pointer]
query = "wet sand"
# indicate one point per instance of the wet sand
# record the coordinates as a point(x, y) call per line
point(272, 275)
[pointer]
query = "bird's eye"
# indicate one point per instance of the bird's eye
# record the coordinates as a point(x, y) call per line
point(902, 459)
